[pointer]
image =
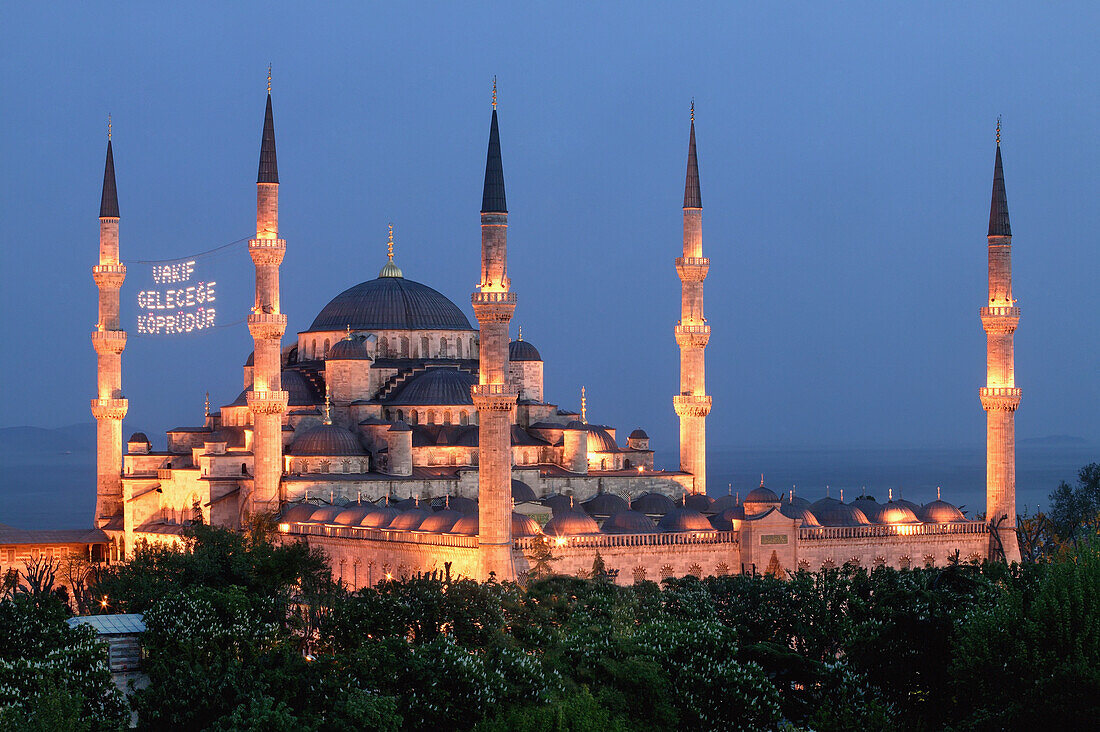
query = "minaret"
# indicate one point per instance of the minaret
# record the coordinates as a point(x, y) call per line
point(109, 340)
point(494, 398)
point(999, 396)
point(266, 400)
point(692, 332)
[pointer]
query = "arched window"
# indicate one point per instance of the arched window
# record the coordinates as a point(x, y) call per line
point(425, 348)
point(325, 354)
point(244, 468)
point(431, 416)
point(383, 347)
point(313, 350)
point(413, 416)
point(404, 346)
point(463, 418)
point(401, 414)
point(458, 348)
point(446, 417)
point(444, 347)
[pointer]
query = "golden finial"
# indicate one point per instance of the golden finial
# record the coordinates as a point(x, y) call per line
point(761, 480)
point(348, 336)
point(584, 407)
point(389, 246)
point(206, 405)
point(938, 494)
point(998, 130)
point(890, 494)
point(520, 333)
point(326, 415)
point(693, 110)
point(269, 79)
point(842, 495)
point(108, 126)
point(494, 91)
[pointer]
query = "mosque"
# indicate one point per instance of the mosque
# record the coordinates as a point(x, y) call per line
point(400, 438)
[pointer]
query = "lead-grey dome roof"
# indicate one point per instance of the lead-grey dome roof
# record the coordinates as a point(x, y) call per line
point(523, 351)
point(326, 439)
point(390, 303)
point(440, 386)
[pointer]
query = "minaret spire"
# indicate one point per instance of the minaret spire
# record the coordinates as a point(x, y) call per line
point(1000, 396)
point(493, 395)
point(108, 203)
point(692, 403)
point(269, 166)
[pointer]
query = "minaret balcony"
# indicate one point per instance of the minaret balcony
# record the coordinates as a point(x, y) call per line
point(493, 306)
point(1000, 398)
point(692, 336)
point(109, 341)
point(267, 326)
point(109, 276)
point(109, 408)
point(267, 402)
point(691, 405)
point(1000, 319)
point(267, 251)
point(494, 397)
point(692, 269)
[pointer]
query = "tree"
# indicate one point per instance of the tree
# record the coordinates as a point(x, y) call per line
point(1075, 510)
point(542, 558)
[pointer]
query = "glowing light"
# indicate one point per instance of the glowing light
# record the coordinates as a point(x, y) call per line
point(103, 602)
point(284, 528)
point(560, 541)
point(191, 302)
point(389, 575)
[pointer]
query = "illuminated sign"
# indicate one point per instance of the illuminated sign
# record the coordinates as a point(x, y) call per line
point(177, 302)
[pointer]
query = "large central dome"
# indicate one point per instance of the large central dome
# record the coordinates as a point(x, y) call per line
point(390, 303)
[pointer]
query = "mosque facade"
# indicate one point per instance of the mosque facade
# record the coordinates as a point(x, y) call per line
point(400, 437)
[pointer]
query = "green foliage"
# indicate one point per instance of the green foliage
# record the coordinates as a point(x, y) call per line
point(53, 676)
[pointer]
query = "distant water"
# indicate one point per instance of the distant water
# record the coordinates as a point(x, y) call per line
point(44, 485)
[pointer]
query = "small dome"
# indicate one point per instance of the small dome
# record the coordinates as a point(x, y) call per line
point(326, 439)
point(521, 492)
point(761, 495)
point(894, 513)
point(831, 512)
point(570, 523)
point(653, 504)
point(700, 502)
point(380, 517)
point(600, 440)
point(524, 525)
point(298, 513)
point(940, 512)
point(353, 514)
point(558, 503)
point(729, 519)
point(324, 514)
point(467, 525)
point(441, 521)
point(463, 505)
point(684, 519)
point(721, 503)
point(349, 349)
point(410, 520)
point(914, 507)
point(139, 437)
point(638, 434)
point(799, 513)
point(435, 386)
point(389, 269)
point(523, 351)
point(604, 504)
point(628, 522)
point(867, 504)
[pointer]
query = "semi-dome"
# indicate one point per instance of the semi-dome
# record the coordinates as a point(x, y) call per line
point(326, 439)
point(390, 303)
point(570, 523)
point(435, 386)
point(349, 349)
point(894, 513)
point(523, 351)
point(353, 514)
point(521, 492)
point(699, 502)
point(380, 517)
point(652, 504)
point(410, 520)
point(831, 512)
point(684, 519)
point(324, 514)
point(462, 504)
point(628, 522)
point(799, 513)
point(600, 440)
point(467, 525)
point(298, 513)
point(728, 519)
point(867, 504)
point(441, 521)
point(604, 504)
point(940, 512)
point(761, 494)
point(721, 503)
point(524, 525)
point(298, 388)
point(638, 434)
